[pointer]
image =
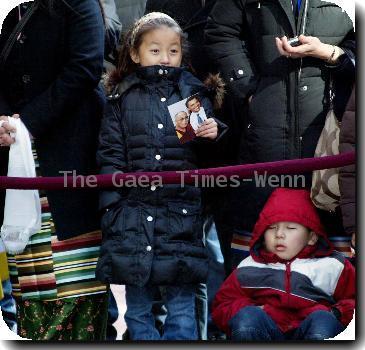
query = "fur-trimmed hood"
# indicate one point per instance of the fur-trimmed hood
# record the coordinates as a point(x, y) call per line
point(216, 87)
point(214, 84)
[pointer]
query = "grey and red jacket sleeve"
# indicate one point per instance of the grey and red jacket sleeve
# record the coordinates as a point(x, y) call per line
point(230, 299)
point(345, 294)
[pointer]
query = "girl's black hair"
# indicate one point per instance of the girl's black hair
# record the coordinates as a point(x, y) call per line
point(133, 40)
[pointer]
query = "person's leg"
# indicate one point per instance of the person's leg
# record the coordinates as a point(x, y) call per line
point(180, 322)
point(216, 273)
point(111, 332)
point(159, 310)
point(138, 317)
point(319, 325)
point(254, 324)
point(201, 302)
point(8, 306)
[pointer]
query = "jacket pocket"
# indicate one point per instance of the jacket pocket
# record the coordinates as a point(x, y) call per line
point(109, 217)
point(121, 221)
point(184, 222)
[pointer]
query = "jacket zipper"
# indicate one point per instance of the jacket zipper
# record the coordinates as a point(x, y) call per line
point(298, 76)
point(287, 281)
point(297, 112)
point(298, 79)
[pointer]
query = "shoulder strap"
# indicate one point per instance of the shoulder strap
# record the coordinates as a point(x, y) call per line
point(15, 33)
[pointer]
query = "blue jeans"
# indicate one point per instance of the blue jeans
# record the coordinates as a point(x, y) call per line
point(111, 332)
point(180, 323)
point(8, 306)
point(254, 324)
point(201, 303)
point(216, 274)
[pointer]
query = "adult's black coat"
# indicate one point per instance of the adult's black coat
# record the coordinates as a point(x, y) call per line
point(289, 104)
point(51, 79)
point(151, 234)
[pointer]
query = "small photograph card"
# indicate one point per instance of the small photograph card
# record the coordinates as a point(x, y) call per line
point(187, 115)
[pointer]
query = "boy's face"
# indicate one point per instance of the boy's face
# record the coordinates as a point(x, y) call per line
point(194, 105)
point(287, 239)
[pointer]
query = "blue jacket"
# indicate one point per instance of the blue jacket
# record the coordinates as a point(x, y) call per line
point(151, 235)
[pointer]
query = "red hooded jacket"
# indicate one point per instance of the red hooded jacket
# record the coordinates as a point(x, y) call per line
point(316, 279)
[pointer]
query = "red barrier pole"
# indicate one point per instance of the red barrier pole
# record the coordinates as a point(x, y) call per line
point(290, 167)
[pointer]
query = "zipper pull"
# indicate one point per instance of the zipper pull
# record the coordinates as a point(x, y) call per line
point(259, 5)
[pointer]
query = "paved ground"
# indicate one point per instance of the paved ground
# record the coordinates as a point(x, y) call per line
point(119, 294)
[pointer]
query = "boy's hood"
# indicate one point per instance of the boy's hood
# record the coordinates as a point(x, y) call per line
point(290, 205)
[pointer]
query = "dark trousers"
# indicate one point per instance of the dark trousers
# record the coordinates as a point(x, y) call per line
point(253, 324)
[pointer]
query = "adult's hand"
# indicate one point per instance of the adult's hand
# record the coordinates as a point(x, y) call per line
point(5, 130)
point(208, 129)
point(309, 46)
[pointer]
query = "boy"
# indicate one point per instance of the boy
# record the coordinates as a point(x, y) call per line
point(293, 285)
point(197, 113)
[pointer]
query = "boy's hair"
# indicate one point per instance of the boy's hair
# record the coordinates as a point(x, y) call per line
point(194, 97)
point(133, 41)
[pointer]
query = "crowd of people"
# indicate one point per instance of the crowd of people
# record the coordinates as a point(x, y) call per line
point(90, 82)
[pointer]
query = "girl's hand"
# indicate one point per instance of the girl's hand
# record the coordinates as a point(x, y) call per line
point(5, 130)
point(310, 46)
point(208, 129)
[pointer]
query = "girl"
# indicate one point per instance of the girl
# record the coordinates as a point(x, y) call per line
point(152, 236)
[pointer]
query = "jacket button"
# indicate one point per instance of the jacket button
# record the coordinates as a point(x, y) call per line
point(231, 79)
point(166, 71)
point(184, 211)
point(150, 218)
point(22, 39)
point(157, 156)
point(160, 126)
point(240, 72)
point(160, 71)
point(305, 88)
point(153, 188)
point(163, 99)
point(26, 78)
point(148, 248)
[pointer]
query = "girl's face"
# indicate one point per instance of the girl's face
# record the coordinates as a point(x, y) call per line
point(161, 46)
